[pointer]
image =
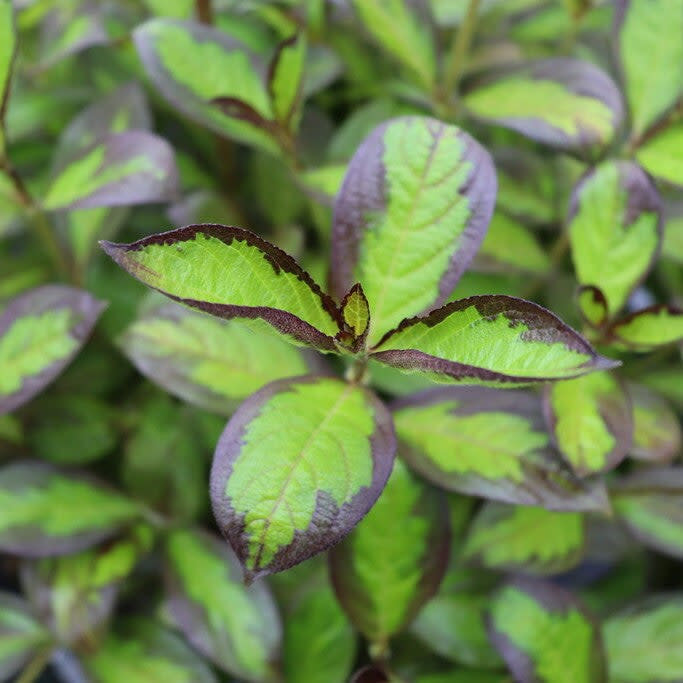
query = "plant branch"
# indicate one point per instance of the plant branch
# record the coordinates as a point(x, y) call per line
point(35, 667)
point(460, 48)
point(204, 11)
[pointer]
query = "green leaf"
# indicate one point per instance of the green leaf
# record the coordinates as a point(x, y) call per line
point(650, 503)
point(383, 573)
point(403, 29)
point(414, 206)
point(454, 626)
point(565, 103)
point(191, 65)
point(489, 443)
point(527, 539)
point(662, 155)
point(21, 634)
point(510, 246)
point(30, 495)
point(40, 333)
point(285, 80)
point(76, 594)
point(7, 50)
point(615, 228)
point(656, 430)
point(644, 642)
point(140, 651)
point(165, 434)
point(355, 312)
point(491, 340)
point(321, 451)
point(237, 628)
point(545, 635)
point(590, 421)
point(649, 328)
point(319, 643)
point(592, 305)
point(265, 284)
point(134, 167)
point(70, 429)
point(208, 362)
point(649, 43)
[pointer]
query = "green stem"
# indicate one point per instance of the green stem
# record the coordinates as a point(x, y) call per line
point(35, 667)
point(460, 48)
point(44, 232)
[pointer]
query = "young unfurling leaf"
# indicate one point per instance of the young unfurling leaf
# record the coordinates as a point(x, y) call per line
point(40, 332)
point(190, 265)
point(615, 229)
point(650, 328)
point(298, 465)
point(565, 103)
point(355, 313)
point(412, 211)
point(384, 573)
point(489, 340)
point(489, 443)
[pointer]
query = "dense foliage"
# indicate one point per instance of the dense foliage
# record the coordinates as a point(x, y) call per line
point(424, 257)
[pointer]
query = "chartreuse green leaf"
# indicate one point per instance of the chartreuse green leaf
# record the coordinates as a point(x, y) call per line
point(615, 229)
point(464, 676)
point(662, 155)
point(298, 465)
point(191, 65)
point(140, 651)
point(489, 443)
point(413, 209)
point(656, 430)
point(592, 305)
point(189, 265)
point(237, 628)
point(7, 49)
point(40, 333)
point(403, 32)
point(590, 420)
point(649, 43)
point(529, 539)
point(644, 642)
point(285, 80)
point(383, 573)
point(76, 594)
point(211, 363)
point(319, 642)
point(355, 313)
point(565, 103)
point(21, 634)
point(510, 246)
point(134, 167)
point(544, 634)
point(49, 512)
point(650, 504)
point(491, 340)
point(649, 328)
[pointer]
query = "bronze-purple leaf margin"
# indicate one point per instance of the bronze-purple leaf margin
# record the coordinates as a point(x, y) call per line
point(85, 310)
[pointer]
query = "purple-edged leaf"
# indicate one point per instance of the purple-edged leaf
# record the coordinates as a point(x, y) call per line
point(590, 421)
point(46, 511)
point(237, 628)
point(657, 434)
point(650, 503)
point(355, 314)
point(649, 328)
point(191, 65)
point(592, 305)
point(493, 340)
point(40, 333)
point(615, 230)
point(232, 273)
point(546, 635)
point(412, 211)
point(525, 539)
point(297, 467)
point(384, 572)
point(120, 169)
point(21, 633)
point(565, 103)
point(648, 41)
point(212, 363)
point(489, 443)
point(372, 674)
